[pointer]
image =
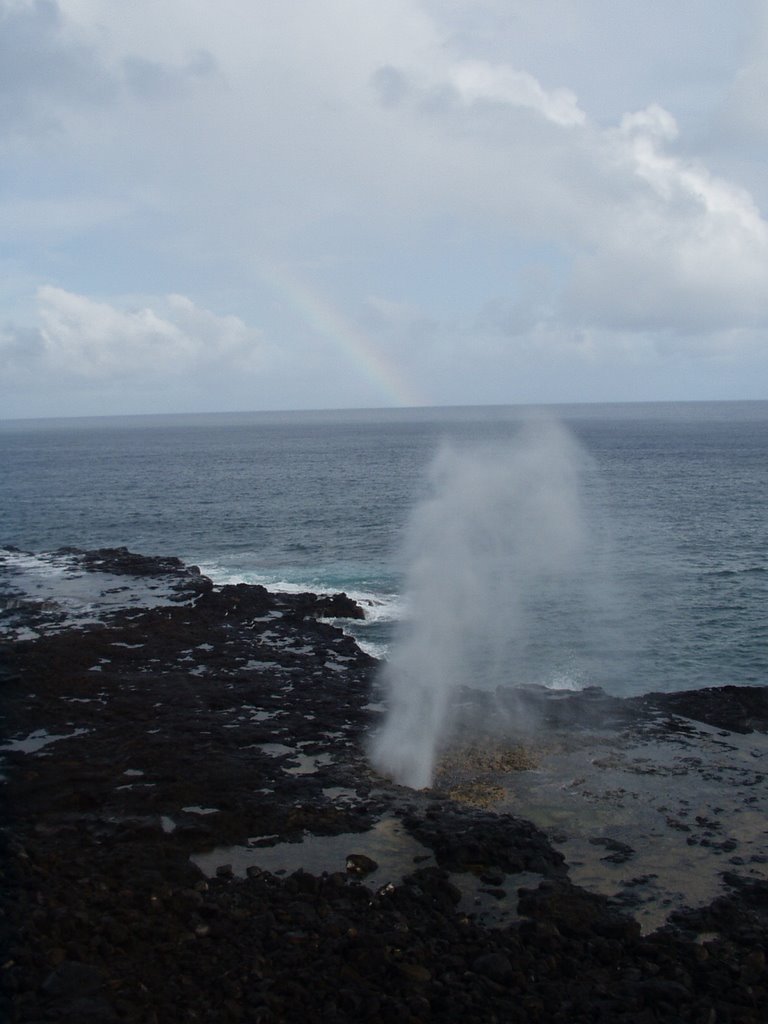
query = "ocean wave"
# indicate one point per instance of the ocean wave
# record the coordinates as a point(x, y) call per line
point(376, 648)
point(379, 606)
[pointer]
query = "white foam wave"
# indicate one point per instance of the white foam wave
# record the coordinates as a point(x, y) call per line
point(564, 682)
point(47, 566)
point(372, 647)
point(379, 607)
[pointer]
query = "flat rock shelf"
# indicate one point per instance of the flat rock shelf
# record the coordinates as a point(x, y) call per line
point(192, 832)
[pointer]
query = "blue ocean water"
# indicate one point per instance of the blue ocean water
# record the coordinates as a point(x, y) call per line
point(674, 498)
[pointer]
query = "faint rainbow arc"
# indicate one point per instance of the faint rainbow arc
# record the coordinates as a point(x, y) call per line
point(325, 318)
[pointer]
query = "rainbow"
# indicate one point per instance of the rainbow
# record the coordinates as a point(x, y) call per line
point(322, 316)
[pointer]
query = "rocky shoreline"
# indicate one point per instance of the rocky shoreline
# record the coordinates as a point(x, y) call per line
point(164, 720)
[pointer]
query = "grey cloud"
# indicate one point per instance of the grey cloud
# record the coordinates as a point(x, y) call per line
point(37, 64)
point(147, 78)
point(201, 64)
point(390, 85)
point(44, 70)
point(151, 80)
point(393, 88)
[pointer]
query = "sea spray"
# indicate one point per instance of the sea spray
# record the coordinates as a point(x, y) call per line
point(499, 539)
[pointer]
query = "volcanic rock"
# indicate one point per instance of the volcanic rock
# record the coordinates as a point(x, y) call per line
point(230, 723)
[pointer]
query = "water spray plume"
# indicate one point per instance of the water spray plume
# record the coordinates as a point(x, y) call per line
point(500, 532)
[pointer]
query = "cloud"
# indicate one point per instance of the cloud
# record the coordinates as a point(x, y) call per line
point(53, 63)
point(390, 85)
point(473, 83)
point(478, 81)
point(511, 181)
point(682, 249)
point(649, 237)
point(43, 65)
point(95, 341)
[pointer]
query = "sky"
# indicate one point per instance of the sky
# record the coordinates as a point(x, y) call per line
point(316, 204)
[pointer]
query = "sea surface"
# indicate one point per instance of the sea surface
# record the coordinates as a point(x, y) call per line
point(673, 500)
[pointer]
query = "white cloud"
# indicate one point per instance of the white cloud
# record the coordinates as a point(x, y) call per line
point(93, 339)
point(654, 239)
point(81, 338)
point(682, 249)
point(478, 81)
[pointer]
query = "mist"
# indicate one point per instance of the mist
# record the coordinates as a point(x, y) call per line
point(494, 558)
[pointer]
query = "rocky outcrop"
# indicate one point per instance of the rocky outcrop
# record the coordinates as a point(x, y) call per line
point(137, 745)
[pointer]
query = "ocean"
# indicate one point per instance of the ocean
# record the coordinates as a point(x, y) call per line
point(671, 591)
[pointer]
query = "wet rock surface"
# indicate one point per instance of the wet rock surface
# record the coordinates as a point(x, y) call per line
point(146, 734)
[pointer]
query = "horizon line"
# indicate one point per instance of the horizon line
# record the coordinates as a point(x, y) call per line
point(417, 409)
